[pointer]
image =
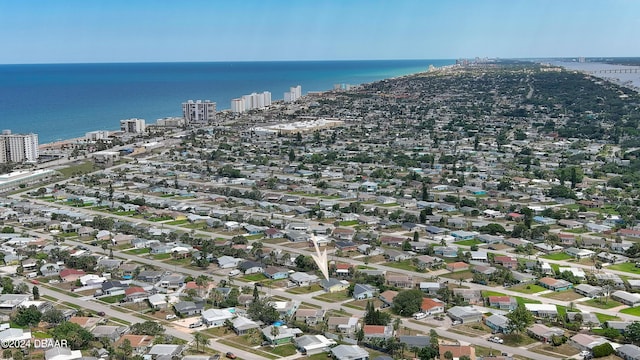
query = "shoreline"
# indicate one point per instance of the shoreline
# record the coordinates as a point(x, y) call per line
point(59, 144)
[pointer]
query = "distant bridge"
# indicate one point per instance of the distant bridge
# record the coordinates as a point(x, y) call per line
point(616, 71)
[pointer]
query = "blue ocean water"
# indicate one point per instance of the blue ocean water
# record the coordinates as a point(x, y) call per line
point(60, 101)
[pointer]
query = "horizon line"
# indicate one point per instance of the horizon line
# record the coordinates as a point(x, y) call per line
point(309, 60)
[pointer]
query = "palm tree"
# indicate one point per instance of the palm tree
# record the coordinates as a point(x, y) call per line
point(199, 338)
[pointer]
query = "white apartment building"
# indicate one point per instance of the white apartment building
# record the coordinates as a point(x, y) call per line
point(237, 105)
point(171, 122)
point(96, 135)
point(294, 93)
point(134, 125)
point(18, 147)
point(199, 111)
point(251, 102)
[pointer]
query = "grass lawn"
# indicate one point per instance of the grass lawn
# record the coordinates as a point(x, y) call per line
point(333, 297)
point(112, 299)
point(547, 349)
point(305, 289)
point(404, 265)
point(254, 277)
point(528, 289)
point(604, 317)
point(137, 251)
point(626, 267)
point(557, 256)
point(601, 305)
point(556, 268)
point(567, 295)
point(522, 300)
point(467, 274)
point(283, 350)
point(348, 223)
point(82, 168)
point(468, 242)
point(254, 237)
point(177, 222)
point(517, 340)
point(487, 293)
point(635, 311)
point(161, 256)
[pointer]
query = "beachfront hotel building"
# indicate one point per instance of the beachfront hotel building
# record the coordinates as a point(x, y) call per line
point(97, 135)
point(251, 102)
point(199, 111)
point(18, 148)
point(133, 126)
point(294, 93)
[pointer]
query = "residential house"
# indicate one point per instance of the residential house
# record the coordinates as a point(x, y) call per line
point(503, 302)
point(216, 317)
point(377, 331)
point(430, 288)
point(588, 290)
point(346, 246)
point(628, 352)
point(343, 234)
point(543, 310)
point(165, 351)
point(303, 279)
point(276, 272)
point(387, 297)
point(280, 335)
point(432, 306)
point(150, 276)
point(228, 262)
point(349, 352)
point(62, 353)
point(364, 291)
point(585, 342)
point(188, 308)
point(241, 325)
point(112, 333)
point(400, 280)
point(313, 344)
point(579, 253)
point(555, 284)
point(544, 333)
point(172, 281)
point(343, 324)
point(626, 298)
point(498, 323)
point(139, 343)
point(464, 314)
point(158, 301)
point(309, 316)
point(457, 266)
point(588, 319)
point(71, 275)
point(334, 285)
point(470, 296)
point(135, 294)
point(251, 267)
point(457, 351)
point(506, 261)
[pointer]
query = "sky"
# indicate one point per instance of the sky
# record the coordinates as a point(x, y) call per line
point(77, 31)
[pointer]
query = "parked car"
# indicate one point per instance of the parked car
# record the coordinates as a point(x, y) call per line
point(195, 325)
point(231, 355)
point(496, 340)
point(101, 313)
point(170, 317)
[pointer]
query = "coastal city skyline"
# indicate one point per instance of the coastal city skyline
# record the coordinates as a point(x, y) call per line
point(87, 32)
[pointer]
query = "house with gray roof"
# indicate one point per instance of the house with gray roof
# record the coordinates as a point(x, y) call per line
point(628, 352)
point(499, 323)
point(626, 298)
point(349, 352)
point(313, 344)
point(464, 314)
point(165, 351)
point(364, 291)
point(588, 290)
point(188, 308)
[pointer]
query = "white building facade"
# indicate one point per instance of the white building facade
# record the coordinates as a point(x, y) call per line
point(199, 111)
point(18, 148)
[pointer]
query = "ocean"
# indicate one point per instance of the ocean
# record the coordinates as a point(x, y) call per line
point(62, 101)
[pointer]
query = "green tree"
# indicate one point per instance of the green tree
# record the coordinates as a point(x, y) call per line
point(36, 293)
point(602, 350)
point(53, 316)
point(27, 316)
point(632, 333)
point(408, 302)
point(199, 339)
point(126, 349)
point(76, 336)
point(150, 328)
point(519, 319)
